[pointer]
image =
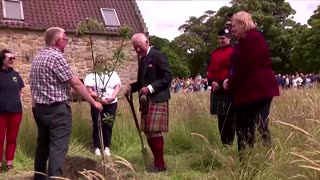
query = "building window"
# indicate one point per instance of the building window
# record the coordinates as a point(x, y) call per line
point(110, 17)
point(12, 9)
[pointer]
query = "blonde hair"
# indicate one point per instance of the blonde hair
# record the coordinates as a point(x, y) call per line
point(52, 34)
point(245, 20)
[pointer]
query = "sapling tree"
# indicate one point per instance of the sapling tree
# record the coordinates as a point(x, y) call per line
point(102, 67)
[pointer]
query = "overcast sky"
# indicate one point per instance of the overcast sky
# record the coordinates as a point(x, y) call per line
point(163, 17)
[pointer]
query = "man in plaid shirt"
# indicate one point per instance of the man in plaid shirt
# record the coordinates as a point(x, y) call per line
point(51, 80)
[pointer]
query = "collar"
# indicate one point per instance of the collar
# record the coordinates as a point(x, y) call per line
point(248, 33)
point(53, 48)
point(148, 51)
point(142, 57)
point(6, 70)
point(225, 46)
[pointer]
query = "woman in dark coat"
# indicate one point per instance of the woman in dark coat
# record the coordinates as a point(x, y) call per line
point(252, 82)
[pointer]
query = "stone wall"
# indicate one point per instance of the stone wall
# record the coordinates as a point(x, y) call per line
point(27, 43)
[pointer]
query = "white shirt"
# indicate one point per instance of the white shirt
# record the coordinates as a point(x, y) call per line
point(151, 90)
point(308, 80)
point(294, 82)
point(299, 81)
point(100, 82)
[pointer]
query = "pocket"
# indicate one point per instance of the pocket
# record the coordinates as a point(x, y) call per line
point(62, 116)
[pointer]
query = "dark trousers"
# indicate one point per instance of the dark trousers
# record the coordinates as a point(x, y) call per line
point(54, 127)
point(107, 124)
point(227, 127)
point(249, 118)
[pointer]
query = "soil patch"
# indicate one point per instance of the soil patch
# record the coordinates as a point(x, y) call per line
point(75, 164)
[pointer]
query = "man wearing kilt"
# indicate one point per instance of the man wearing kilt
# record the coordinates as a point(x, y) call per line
point(218, 70)
point(153, 82)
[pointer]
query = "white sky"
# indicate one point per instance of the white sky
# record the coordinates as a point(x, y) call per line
point(163, 17)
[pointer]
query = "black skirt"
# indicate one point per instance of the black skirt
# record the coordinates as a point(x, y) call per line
point(219, 103)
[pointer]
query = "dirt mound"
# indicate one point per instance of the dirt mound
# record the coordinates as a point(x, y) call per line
point(72, 166)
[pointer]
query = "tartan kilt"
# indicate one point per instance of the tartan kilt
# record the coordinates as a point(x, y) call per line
point(156, 119)
point(219, 103)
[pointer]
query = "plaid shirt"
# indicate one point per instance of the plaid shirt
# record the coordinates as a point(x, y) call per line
point(49, 75)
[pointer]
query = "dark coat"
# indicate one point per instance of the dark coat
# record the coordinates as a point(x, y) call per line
point(154, 70)
point(252, 78)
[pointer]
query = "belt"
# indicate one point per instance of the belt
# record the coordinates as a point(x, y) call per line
point(51, 104)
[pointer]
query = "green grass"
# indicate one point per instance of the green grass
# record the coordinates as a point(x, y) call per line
point(192, 146)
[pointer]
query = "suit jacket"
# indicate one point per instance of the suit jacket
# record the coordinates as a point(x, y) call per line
point(252, 77)
point(154, 70)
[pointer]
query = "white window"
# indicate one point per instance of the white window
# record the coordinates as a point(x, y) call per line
point(12, 9)
point(110, 17)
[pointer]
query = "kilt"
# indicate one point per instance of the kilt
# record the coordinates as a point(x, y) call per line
point(219, 103)
point(156, 118)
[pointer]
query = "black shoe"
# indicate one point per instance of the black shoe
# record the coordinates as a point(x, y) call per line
point(9, 167)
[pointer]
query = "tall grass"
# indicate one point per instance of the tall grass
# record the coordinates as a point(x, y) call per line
point(192, 146)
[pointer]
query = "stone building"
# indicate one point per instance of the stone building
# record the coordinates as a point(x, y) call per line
point(23, 22)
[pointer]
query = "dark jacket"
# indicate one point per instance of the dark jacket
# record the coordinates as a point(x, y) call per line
point(252, 77)
point(11, 84)
point(154, 70)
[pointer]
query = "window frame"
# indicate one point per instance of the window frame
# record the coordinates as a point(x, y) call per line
point(105, 20)
point(4, 10)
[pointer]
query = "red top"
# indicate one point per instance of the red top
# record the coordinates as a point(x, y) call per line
point(219, 66)
point(252, 77)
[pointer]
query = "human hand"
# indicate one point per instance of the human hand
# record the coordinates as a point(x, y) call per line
point(128, 90)
point(214, 86)
point(94, 94)
point(98, 106)
point(109, 100)
point(144, 91)
point(225, 84)
point(102, 101)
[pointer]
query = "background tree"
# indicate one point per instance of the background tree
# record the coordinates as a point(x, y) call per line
point(197, 40)
point(274, 19)
point(306, 56)
point(293, 47)
point(176, 65)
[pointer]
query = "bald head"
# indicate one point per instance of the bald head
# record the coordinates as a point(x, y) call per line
point(138, 37)
point(52, 34)
point(140, 43)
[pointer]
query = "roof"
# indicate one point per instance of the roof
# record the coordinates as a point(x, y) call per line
point(67, 14)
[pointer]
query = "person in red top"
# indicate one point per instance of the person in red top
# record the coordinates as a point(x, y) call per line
point(219, 70)
point(252, 82)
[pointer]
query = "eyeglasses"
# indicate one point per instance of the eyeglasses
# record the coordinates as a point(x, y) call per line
point(12, 58)
point(65, 39)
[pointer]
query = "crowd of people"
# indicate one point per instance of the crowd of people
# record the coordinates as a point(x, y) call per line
point(188, 85)
point(299, 80)
point(200, 84)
